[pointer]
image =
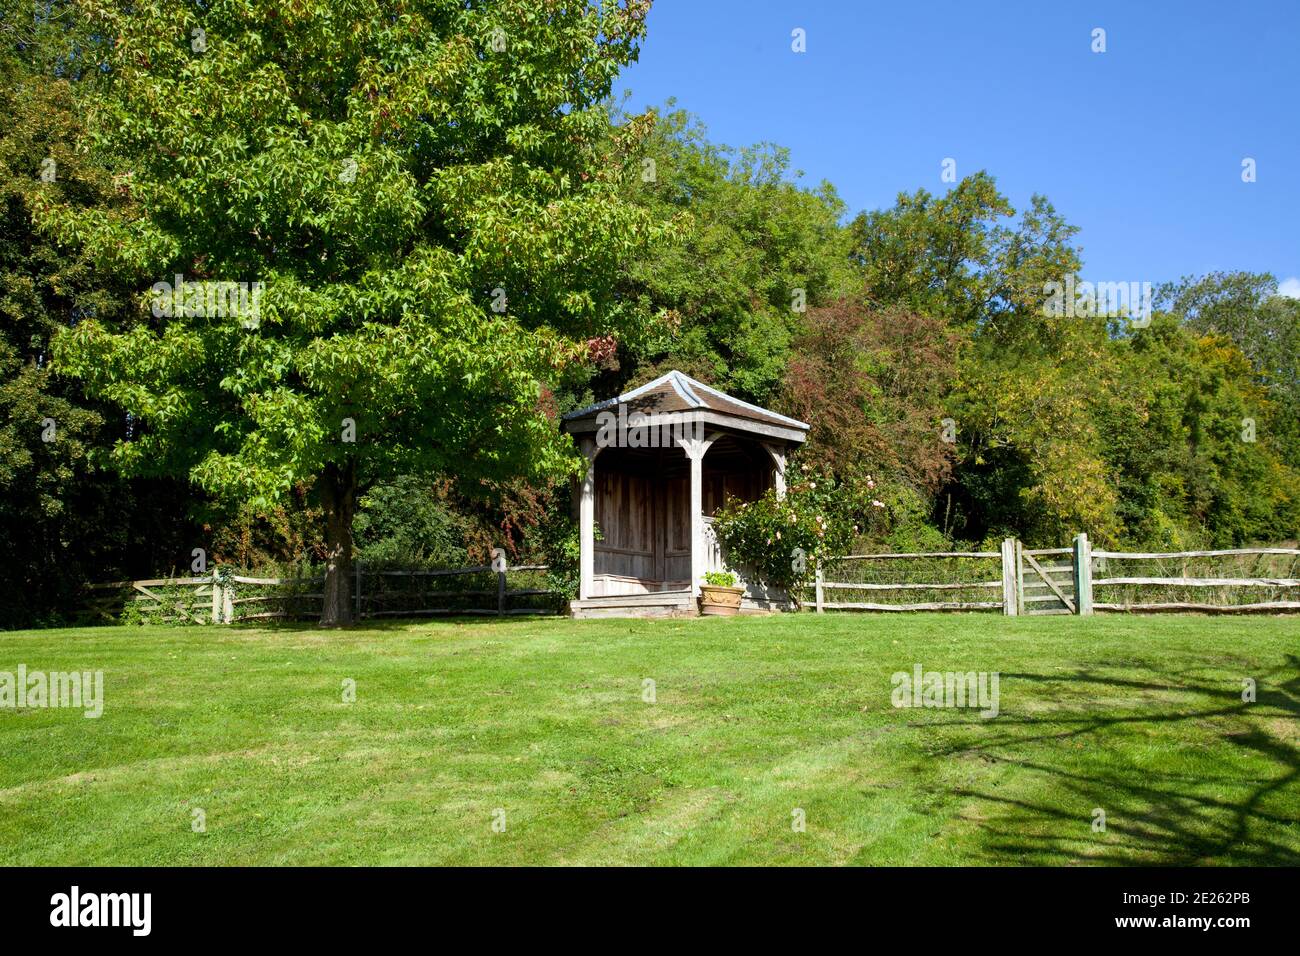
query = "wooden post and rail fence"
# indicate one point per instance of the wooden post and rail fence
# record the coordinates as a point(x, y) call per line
point(1037, 581)
point(1015, 580)
point(218, 598)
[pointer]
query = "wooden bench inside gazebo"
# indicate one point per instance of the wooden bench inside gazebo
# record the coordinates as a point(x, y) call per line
point(663, 458)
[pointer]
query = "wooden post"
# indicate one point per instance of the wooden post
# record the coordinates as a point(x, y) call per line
point(1020, 577)
point(778, 467)
point(1082, 574)
point(821, 591)
point(218, 605)
point(501, 586)
point(699, 562)
point(1009, 603)
point(587, 523)
point(695, 449)
point(356, 570)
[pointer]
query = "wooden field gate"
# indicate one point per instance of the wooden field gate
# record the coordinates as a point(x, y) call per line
point(1046, 580)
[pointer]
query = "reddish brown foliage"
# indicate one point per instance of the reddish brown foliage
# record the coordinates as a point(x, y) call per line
point(602, 349)
point(872, 385)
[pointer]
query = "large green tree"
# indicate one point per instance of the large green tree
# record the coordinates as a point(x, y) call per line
point(1246, 308)
point(430, 196)
point(755, 250)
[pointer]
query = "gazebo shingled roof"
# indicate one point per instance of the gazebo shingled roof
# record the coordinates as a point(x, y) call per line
point(678, 392)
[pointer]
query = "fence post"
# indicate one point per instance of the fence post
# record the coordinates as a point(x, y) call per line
point(1082, 574)
point(1020, 577)
point(1009, 600)
point(501, 590)
point(218, 604)
point(356, 571)
point(821, 590)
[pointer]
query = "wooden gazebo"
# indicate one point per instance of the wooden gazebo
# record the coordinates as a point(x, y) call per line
point(663, 457)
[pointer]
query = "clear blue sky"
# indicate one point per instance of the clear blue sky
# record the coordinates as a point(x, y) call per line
point(1140, 146)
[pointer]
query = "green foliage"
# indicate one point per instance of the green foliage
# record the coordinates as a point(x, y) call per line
point(560, 547)
point(64, 519)
point(898, 517)
point(720, 579)
point(1245, 308)
point(382, 312)
point(1063, 424)
point(1205, 451)
point(750, 236)
point(1032, 460)
point(952, 257)
point(409, 522)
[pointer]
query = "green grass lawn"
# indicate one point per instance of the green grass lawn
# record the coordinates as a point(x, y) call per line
point(753, 718)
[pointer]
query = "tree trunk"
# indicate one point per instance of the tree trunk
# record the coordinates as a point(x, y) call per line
point(338, 493)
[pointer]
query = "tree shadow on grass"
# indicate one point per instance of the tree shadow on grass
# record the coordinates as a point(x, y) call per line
point(1229, 815)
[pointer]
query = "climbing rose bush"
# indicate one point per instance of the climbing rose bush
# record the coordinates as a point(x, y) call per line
point(781, 540)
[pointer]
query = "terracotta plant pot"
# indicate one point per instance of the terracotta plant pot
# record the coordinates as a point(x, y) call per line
point(719, 600)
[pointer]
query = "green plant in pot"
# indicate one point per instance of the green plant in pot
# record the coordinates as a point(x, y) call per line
point(720, 594)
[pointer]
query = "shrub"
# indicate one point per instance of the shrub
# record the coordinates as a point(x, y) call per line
point(557, 541)
point(561, 549)
point(410, 521)
point(781, 540)
point(720, 579)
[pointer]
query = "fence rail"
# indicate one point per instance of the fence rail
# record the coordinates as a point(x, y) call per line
point(914, 577)
point(379, 592)
point(1227, 581)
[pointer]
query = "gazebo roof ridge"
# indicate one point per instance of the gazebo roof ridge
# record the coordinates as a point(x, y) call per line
point(693, 395)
